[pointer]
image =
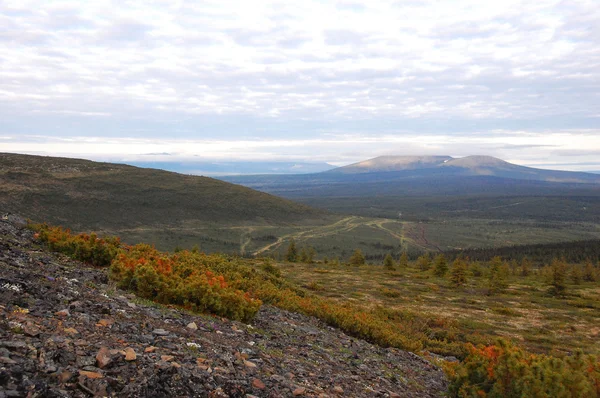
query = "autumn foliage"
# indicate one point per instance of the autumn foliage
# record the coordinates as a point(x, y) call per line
point(83, 247)
point(185, 279)
point(505, 370)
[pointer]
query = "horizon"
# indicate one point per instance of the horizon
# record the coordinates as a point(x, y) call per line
point(316, 82)
point(231, 168)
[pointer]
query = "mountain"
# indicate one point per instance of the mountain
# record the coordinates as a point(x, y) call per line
point(417, 175)
point(391, 163)
point(447, 166)
point(87, 195)
point(438, 187)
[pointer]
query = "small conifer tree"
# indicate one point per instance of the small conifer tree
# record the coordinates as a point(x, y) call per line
point(388, 262)
point(303, 255)
point(403, 261)
point(525, 267)
point(558, 275)
point(440, 265)
point(292, 252)
point(357, 258)
point(458, 272)
point(589, 273)
point(310, 255)
point(497, 275)
point(576, 274)
point(424, 262)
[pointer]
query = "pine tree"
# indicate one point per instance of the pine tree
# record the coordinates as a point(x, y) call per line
point(475, 269)
point(575, 274)
point(388, 262)
point(525, 267)
point(357, 258)
point(458, 272)
point(310, 254)
point(589, 273)
point(440, 265)
point(303, 255)
point(403, 261)
point(424, 262)
point(558, 274)
point(497, 275)
point(292, 252)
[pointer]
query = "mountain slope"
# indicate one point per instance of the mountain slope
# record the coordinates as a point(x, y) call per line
point(66, 332)
point(88, 195)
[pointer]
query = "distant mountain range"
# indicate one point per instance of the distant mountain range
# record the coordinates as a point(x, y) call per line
point(423, 166)
point(421, 175)
point(441, 187)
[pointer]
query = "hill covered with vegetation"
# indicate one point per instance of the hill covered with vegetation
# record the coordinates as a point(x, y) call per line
point(135, 202)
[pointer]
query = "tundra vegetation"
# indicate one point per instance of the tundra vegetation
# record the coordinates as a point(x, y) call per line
point(518, 328)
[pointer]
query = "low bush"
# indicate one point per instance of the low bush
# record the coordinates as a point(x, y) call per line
point(505, 370)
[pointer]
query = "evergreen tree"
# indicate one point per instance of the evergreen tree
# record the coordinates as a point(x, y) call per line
point(292, 252)
point(476, 270)
point(576, 274)
point(310, 255)
point(303, 255)
point(589, 273)
point(388, 262)
point(357, 258)
point(497, 275)
point(424, 262)
point(403, 261)
point(525, 267)
point(558, 274)
point(440, 265)
point(458, 272)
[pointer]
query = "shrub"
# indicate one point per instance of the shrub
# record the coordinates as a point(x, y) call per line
point(83, 247)
point(505, 370)
point(184, 278)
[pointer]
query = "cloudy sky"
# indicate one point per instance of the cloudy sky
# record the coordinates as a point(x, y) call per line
point(320, 81)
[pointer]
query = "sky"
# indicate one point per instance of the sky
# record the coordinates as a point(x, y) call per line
point(302, 81)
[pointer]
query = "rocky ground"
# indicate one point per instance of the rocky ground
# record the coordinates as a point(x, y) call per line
point(65, 331)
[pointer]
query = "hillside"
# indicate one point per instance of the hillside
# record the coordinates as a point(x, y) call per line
point(67, 332)
point(87, 195)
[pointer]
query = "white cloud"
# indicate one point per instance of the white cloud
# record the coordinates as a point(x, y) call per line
point(569, 150)
point(213, 70)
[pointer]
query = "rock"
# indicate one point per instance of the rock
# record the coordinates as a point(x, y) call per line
point(31, 330)
point(167, 358)
point(63, 313)
point(160, 332)
point(103, 358)
point(299, 391)
point(65, 376)
point(7, 361)
point(249, 364)
point(192, 326)
point(256, 383)
point(131, 305)
point(130, 354)
point(394, 395)
point(105, 322)
point(150, 349)
point(71, 331)
point(91, 375)
point(338, 390)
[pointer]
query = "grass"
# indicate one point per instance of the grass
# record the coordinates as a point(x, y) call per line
point(524, 312)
